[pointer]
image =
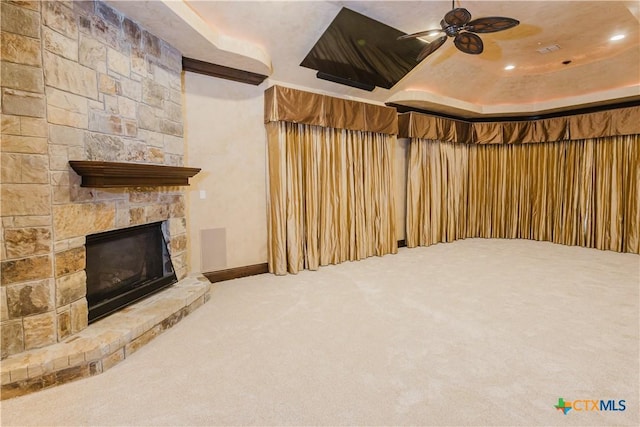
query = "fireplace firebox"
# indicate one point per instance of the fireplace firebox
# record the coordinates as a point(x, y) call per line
point(124, 266)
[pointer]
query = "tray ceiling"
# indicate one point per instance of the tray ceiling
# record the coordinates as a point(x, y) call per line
point(273, 37)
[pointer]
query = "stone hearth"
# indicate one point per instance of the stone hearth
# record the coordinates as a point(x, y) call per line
point(104, 343)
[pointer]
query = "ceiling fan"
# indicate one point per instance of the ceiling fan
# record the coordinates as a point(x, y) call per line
point(457, 23)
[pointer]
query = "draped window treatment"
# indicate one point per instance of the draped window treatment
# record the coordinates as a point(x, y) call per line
point(331, 196)
point(583, 192)
point(331, 183)
point(615, 122)
point(571, 180)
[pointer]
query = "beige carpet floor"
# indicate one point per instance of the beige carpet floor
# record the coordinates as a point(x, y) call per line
point(476, 332)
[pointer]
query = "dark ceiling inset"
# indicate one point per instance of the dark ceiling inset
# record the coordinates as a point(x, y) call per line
point(360, 50)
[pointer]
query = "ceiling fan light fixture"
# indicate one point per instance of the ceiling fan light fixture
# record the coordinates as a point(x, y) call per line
point(617, 37)
point(457, 24)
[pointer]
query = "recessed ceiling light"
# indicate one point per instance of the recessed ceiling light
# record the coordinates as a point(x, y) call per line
point(548, 49)
point(509, 67)
point(617, 37)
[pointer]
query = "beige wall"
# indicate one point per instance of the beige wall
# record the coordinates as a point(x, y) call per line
point(225, 136)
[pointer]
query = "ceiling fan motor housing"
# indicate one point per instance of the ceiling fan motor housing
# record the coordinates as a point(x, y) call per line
point(451, 30)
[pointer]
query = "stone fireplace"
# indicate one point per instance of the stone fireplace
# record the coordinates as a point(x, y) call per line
point(80, 81)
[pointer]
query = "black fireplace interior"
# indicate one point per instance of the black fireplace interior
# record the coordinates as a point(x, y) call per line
point(124, 266)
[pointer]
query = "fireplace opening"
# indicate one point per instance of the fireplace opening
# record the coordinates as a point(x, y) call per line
point(124, 266)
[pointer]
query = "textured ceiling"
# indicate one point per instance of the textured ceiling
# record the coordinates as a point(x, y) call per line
point(273, 37)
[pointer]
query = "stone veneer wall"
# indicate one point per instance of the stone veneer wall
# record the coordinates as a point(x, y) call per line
point(80, 81)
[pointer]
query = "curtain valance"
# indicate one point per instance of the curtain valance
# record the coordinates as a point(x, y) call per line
point(297, 106)
point(617, 122)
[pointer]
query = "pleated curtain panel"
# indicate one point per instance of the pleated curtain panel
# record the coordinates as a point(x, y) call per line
point(572, 180)
point(330, 184)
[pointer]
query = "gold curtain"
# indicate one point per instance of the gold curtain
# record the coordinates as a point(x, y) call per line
point(584, 192)
point(614, 122)
point(331, 196)
point(436, 192)
point(297, 106)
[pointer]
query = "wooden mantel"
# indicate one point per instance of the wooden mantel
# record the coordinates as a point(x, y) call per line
point(117, 174)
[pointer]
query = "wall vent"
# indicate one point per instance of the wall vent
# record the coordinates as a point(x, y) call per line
point(213, 249)
point(548, 49)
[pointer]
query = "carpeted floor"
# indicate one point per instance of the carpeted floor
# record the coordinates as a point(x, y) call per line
point(475, 332)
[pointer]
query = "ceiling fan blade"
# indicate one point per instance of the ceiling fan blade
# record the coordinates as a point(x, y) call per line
point(421, 34)
point(431, 47)
point(457, 17)
point(469, 43)
point(491, 24)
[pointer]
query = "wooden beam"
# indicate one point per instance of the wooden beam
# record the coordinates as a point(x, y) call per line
point(220, 71)
point(520, 118)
